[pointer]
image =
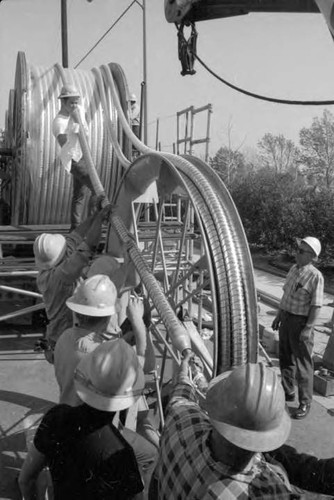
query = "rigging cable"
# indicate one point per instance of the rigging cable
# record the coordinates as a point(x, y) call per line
point(261, 97)
point(105, 34)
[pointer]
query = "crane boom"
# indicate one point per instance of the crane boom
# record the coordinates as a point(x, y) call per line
point(203, 10)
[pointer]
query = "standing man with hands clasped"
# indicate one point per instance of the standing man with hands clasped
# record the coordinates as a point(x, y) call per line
point(299, 309)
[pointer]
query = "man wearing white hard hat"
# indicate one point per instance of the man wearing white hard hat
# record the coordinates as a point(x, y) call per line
point(87, 456)
point(298, 311)
point(132, 321)
point(94, 303)
point(60, 261)
point(66, 131)
point(217, 453)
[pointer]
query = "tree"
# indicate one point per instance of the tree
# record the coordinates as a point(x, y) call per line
point(279, 154)
point(317, 152)
point(269, 205)
point(229, 164)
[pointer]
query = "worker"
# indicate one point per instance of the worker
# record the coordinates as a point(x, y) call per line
point(217, 453)
point(135, 115)
point(131, 321)
point(94, 305)
point(66, 131)
point(60, 261)
point(86, 454)
point(298, 312)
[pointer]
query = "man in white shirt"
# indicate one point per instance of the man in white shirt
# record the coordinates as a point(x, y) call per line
point(66, 129)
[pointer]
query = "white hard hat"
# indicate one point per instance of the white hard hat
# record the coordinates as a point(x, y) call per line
point(312, 242)
point(247, 407)
point(133, 98)
point(110, 378)
point(68, 91)
point(96, 296)
point(49, 250)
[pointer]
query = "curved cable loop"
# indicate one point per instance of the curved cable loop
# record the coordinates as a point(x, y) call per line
point(61, 71)
point(125, 124)
point(110, 126)
point(224, 233)
point(261, 97)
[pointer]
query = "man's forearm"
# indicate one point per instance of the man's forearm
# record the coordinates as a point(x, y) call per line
point(313, 316)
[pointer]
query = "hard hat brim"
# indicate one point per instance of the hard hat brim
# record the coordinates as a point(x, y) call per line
point(89, 310)
point(69, 94)
point(252, 440)
point(103, 402)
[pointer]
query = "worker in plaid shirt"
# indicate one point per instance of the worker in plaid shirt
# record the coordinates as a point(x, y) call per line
point(299, 308)
point(216, 454)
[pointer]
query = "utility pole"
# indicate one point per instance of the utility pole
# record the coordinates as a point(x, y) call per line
point(64, 43)
point(145, 72)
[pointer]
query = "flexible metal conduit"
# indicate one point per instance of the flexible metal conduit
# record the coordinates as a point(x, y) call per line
point(177, 332)
point(236, 281)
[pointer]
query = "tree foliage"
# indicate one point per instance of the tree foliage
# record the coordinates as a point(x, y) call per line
point(317, 152)
point(274, 210)
point(288, 194)
point(229, 164)
point(278, 153)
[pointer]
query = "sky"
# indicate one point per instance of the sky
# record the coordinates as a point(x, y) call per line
point(287, 56)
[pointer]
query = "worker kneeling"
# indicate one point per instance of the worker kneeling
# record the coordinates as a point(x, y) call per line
point(217, 454)
point(87, 456)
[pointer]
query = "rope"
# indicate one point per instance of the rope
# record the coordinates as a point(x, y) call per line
point(261, 97)
point(105, 34)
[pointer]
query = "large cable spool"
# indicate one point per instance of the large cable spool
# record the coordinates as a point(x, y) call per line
point(40, 187)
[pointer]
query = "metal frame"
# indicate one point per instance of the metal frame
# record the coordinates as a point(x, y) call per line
point(188, 140)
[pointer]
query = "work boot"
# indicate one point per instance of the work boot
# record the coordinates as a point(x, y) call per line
point(290, 397)
point(302, 411)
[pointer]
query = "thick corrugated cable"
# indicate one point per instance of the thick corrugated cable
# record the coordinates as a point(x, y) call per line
point(110, 126)
point(178, 334)
point(242, 249)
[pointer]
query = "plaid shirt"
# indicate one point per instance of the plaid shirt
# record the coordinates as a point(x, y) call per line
point(186, 469)
point(303, 288)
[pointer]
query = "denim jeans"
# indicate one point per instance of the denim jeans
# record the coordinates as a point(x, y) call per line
point(81, 183)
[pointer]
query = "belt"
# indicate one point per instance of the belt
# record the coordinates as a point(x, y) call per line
point(295, 315)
